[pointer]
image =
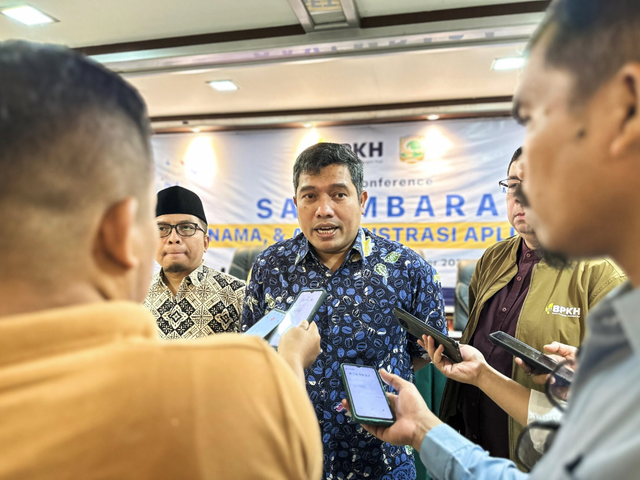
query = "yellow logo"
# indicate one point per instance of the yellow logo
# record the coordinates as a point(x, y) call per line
point(549, 308)
point(367, 247)
point(412, 149)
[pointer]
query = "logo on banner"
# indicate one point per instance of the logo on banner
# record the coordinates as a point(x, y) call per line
point(412, 149)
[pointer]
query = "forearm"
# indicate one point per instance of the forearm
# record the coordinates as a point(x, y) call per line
point(448, 456)
point(509, 395)
point(294, 361)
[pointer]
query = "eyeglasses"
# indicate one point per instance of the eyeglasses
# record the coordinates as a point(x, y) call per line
point(184, 229)
point(537, 437)
point(509, 185)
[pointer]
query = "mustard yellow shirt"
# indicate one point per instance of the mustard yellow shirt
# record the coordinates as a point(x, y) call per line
point(90, 392)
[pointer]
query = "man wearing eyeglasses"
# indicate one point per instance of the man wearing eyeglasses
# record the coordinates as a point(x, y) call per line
point(514, 291)
point(189, 299)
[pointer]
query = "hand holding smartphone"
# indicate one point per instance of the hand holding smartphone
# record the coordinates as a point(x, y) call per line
point(417, 328)
point(304, 307)
point(366, 395)
point(529, 355)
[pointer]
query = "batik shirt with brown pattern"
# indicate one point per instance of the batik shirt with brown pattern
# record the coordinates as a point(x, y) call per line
point(206, 303)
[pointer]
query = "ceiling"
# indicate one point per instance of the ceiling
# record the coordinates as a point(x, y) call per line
point(383, 60)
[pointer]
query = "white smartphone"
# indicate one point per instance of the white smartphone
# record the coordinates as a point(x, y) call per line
point(304, 307)
point(267, 324)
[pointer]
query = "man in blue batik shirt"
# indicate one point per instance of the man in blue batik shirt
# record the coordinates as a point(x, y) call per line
point(365, 277)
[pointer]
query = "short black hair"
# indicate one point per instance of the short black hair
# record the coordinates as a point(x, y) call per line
point(592, 39)
point(516, 156)
point(323, 154)
point(49, 94)
point(74, 138)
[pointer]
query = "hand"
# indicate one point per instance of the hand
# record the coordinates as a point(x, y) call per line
point(413, 417)
point(301, 344)
point(467, 371)
point(559, 352)
point(562, 351)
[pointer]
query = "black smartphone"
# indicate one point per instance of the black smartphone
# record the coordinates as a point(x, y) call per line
point(366, 395)
point(417, 328)
point(304, 307)
point(267, 324)
point(529, 355)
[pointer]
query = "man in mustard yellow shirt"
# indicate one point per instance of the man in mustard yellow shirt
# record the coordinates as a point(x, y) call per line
point(87, 390)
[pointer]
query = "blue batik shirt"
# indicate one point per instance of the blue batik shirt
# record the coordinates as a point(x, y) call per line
point(356, 325)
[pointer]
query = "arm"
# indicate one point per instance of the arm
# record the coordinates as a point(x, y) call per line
point(299, 347)
point(512, 397)
point(445, 453)
point(449, 456)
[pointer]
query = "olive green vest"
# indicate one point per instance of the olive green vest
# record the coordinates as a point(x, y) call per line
point(554, 309)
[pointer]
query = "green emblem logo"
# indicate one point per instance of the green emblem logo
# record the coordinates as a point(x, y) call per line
point(381, 269)
point(412, 149)
point(392, 257)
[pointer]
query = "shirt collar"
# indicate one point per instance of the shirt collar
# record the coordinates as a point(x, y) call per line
point(363, 245)
point(527, 255)
point(625, 300)
point(198, 274)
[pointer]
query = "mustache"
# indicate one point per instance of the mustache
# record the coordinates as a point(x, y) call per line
point(556, 260)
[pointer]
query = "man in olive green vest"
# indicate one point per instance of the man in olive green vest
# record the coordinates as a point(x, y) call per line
point(515, 291)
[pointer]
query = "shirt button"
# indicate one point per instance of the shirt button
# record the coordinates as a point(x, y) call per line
point(474, 436)
point(519, 278)
point(504, 309)
point(528, 255)
point(474, 404)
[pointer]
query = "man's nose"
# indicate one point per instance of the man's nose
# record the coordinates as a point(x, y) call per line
point(173, 236)
point(325, 207)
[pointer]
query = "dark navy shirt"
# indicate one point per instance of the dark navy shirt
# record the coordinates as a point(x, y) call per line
point(356, 325)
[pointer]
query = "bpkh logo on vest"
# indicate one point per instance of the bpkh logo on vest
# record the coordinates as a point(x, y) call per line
point(569, 312)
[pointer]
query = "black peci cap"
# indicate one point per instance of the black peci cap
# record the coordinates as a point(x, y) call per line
point(177, 199)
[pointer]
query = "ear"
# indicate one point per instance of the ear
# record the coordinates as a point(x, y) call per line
point(295, 201)
point(363, 199)
point(117, 234)
point(628, 136)
point(206, 239)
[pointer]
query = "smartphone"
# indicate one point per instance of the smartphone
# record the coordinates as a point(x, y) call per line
point(366, 395)
point(529, 355)
point(304, 307)
point(417, 328)
point(267, 324)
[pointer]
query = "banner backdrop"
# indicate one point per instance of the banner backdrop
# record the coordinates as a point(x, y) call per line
point(433, 186)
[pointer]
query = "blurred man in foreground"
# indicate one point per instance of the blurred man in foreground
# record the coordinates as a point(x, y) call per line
point(87, 390)
point(516, 291)
point(580, 101)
